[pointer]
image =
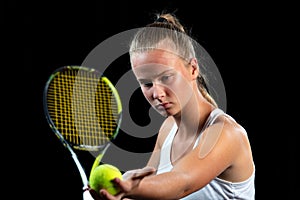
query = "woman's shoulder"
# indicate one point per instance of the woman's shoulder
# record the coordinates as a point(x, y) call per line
point(234, 135)
point(229, 125)
point(227, 130)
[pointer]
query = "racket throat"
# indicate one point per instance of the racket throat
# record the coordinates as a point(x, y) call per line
point(99, 157)
point(80, 168)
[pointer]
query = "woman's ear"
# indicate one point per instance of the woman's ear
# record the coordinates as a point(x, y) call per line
point(195, 67)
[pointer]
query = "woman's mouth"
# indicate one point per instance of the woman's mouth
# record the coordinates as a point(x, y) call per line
point(164, 106)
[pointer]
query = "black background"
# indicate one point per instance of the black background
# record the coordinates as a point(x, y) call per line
point(42, 36)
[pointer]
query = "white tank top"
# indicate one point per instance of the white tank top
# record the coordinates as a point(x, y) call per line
point(218, 188)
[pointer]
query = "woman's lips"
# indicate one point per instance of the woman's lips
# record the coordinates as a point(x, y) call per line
point(165, 105)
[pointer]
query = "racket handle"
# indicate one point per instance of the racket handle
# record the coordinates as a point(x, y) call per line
point(87, 195)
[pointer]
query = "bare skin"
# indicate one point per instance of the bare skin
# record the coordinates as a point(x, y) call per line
point(169, 84)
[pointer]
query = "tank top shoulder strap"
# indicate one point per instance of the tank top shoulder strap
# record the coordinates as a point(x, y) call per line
point(210, 120)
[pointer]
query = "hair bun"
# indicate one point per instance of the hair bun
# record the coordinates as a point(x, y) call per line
point(162, 20)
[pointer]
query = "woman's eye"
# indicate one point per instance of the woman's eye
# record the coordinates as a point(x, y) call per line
point(147, 84)
point(166, 78)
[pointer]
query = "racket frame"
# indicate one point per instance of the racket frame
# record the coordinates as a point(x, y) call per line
point(101, 149)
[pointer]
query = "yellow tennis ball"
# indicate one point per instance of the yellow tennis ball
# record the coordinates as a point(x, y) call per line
point(101, 178)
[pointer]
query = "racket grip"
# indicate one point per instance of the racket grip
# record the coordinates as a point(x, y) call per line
point(87, 195)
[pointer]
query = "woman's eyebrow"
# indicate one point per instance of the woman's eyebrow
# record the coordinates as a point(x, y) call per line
point(155, 76)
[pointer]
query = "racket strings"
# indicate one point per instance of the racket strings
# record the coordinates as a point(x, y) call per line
point(83, 108)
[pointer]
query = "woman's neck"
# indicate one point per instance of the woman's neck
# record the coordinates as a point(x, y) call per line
point(193, 116)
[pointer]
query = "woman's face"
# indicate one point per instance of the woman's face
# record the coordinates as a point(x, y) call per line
point(165, 80)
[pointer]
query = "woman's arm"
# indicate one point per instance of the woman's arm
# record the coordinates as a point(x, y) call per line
point(192, 172)
point(152, 165)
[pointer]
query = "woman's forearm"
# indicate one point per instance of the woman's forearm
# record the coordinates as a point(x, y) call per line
point(170, 185)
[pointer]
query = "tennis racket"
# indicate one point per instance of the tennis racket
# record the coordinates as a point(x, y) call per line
point(84, 110)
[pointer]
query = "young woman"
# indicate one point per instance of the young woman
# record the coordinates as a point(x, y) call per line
point(201, 152)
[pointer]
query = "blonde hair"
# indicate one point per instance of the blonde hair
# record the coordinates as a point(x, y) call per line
point(167, 33)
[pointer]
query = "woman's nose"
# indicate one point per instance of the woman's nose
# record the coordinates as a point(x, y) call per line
point(158, 91)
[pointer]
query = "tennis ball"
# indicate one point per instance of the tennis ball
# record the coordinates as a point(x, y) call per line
point(101, 178)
